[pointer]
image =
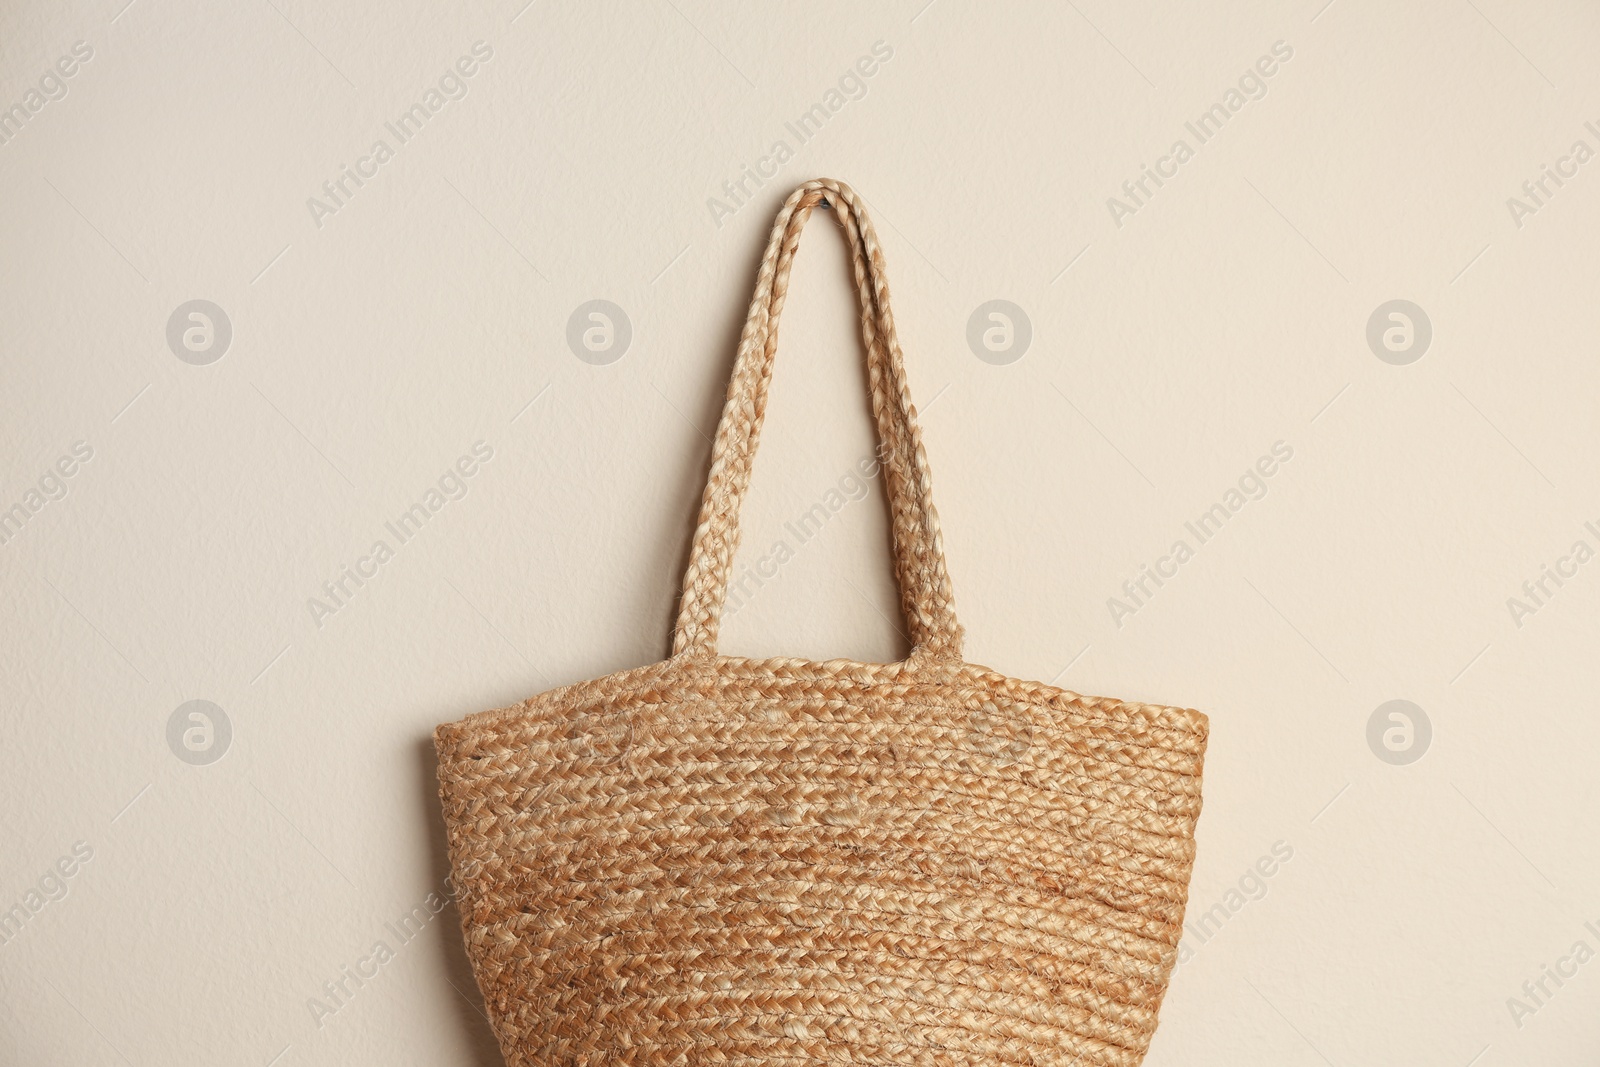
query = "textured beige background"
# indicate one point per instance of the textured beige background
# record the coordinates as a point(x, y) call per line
point(1168, 354)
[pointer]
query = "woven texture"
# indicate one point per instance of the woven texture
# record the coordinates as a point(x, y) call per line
point(723, 860)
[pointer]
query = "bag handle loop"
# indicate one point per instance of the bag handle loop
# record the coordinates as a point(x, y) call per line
point(925, 595)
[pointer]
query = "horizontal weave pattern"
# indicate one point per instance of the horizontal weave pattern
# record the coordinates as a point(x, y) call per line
point(719, 861)
point(755, 861)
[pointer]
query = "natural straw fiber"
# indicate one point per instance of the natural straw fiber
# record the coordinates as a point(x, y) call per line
point(713, 860)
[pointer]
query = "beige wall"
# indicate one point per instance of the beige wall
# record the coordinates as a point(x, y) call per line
point(1176, 340)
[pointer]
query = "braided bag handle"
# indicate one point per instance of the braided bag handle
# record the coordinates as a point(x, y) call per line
point(926, 599)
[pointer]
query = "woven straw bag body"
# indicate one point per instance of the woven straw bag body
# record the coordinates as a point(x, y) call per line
point(723, 860)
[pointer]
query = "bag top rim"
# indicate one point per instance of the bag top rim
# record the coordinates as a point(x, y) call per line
point(725, 676)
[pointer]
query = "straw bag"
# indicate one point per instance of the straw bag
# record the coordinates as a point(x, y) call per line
point(723, 860)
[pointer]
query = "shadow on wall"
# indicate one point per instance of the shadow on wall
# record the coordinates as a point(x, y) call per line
point(482, 1048)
